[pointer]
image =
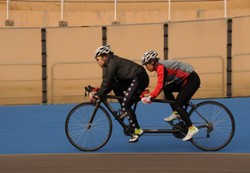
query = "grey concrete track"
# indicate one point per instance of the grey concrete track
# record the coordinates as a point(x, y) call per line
point(126, 162)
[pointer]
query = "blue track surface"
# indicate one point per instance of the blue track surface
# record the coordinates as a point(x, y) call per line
point(38, 129)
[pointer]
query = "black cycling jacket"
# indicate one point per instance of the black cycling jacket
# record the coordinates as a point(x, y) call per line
point(118, 69)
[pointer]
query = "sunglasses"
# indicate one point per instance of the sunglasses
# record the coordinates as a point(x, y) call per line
point(98, 58)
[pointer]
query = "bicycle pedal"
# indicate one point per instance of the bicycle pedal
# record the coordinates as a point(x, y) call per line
point(171, 123)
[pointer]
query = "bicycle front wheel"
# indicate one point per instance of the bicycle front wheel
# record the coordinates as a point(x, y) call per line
point(84, 135)
point(215, 123)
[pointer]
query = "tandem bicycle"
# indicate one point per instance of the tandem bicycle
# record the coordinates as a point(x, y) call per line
point(88, 125)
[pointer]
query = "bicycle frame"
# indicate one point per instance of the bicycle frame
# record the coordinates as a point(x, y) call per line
point(125, 127)
point(207, 116)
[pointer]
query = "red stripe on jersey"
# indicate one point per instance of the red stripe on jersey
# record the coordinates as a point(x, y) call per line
point(160, 81)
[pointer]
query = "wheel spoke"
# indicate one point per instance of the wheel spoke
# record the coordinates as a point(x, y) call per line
point(221, 123)
point(82, 137)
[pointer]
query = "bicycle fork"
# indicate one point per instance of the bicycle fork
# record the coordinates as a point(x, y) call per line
point(93, 115)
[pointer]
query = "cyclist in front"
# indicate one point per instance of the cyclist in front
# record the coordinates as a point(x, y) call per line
point(125, 78)
point(173, 76)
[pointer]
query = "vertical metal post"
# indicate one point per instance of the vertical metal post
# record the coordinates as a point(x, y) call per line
point(229, 57)
point(104, 35)
point(7, 9)
point(115, 11)
point(225, 8)
point(165, 37)
point(62, 23)
point(44, 66)
point(8, 22)
point(169, 10)
point(62, 9)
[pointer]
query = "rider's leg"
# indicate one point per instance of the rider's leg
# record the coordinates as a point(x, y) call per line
point(185, 94)
point(139, 83)
point(168, 92)
point(120, 87)
point(127, 103)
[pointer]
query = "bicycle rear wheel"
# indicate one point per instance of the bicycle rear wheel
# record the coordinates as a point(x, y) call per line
point(216, 125)
point(84, 135)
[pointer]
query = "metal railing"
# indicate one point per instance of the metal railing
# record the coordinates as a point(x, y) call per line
point(241, 71)
point(116, 2)
point(25, 95)
point(54, 79)
point(221, 71)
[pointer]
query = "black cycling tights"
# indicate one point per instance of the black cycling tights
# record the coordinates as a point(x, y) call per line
point(186, 92)
point(128, 89)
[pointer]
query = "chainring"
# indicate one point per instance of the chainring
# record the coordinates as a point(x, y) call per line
point(182, 130)
point(127, 131)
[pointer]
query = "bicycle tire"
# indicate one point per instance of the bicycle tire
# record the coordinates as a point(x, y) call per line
point(218, 132)
point(78, 133)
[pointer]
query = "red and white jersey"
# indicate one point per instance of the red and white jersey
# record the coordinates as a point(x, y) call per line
point(170, 71)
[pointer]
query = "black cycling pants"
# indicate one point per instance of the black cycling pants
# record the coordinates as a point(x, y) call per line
point(186, 92)
point(128, 89)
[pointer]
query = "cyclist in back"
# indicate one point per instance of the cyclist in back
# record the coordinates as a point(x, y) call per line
point(125, 78)
point(173, 76)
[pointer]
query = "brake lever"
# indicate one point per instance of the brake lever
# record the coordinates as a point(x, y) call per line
point(88, 89)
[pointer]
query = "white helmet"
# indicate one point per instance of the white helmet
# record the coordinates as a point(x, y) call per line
point(149, 55)
point(102, 50)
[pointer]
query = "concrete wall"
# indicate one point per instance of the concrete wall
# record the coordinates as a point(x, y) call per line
point(70, 63)
point(47, 13)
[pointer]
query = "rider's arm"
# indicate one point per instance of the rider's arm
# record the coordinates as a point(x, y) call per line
point(160, 70)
